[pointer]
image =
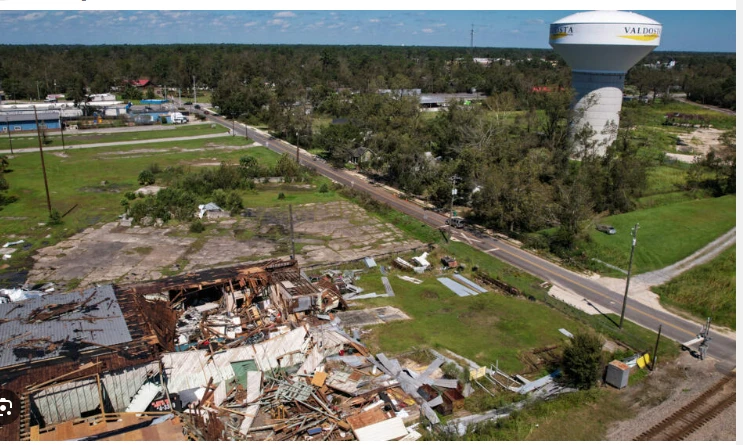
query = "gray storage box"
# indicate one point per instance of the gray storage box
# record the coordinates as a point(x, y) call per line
point(617, 374)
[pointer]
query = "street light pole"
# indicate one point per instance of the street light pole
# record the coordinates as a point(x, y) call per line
point(629, 273)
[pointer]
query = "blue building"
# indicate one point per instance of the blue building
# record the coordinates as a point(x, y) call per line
point(27, 121)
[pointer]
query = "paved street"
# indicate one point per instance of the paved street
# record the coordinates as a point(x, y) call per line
point(674, 327)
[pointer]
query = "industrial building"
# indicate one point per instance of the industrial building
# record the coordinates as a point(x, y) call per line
point(600, 46)
point(24, 121)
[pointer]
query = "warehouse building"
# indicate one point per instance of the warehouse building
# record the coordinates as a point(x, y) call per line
point(27, 121)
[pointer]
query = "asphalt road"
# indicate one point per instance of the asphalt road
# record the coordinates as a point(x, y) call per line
point(674, 327)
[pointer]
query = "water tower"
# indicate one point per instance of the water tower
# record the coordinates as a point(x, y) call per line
point(600, 46)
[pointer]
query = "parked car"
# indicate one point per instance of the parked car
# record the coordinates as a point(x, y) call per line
point(455, 221)
point(609, 230)
point(197, 106)
point(187, 103)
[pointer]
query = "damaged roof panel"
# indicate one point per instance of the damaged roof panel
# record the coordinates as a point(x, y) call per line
point(50, 325)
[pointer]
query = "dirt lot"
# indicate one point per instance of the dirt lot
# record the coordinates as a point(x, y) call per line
point(669, 389)
point(325, 233)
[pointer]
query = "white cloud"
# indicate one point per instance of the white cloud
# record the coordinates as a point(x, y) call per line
point(285, 14)
point(58, 13)
point(249, 24)
point(276, 22)
point(356, 28)
point(439, 25)
point(71, 17)
point(399, 24)
point(32, 16)
point(535, 22)
point(335, 25)
point(427, 30)
point(514, 31)
point(374, 20)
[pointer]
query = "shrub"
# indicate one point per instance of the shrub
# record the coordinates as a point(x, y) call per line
point(55, 218)
point(582, 360)
point(146, 177)
point(323, 188)
point(197, 226)
point(130, 196)
point(282, 196)
point(234, 202)
point(154, 168)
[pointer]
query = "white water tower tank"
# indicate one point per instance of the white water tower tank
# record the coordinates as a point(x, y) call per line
point(600, 46)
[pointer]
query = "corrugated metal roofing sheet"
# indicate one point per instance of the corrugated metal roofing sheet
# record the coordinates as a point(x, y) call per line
point(99, 321)
point(457, 288)
point(192, 369)
point(469, 283)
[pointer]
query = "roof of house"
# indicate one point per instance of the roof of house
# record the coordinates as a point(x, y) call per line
point(26, 117)
point(139, 82)
point(60, 324)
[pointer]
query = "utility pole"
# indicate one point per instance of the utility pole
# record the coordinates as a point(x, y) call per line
point(655, 352)
point(43, 167)
point(38, 94)
point(61, 128)
point(297, 134)
point(472, 41)
point(629, 272)
point(291, 228)
point(10, 139)
point(451, 205)
point(194, 93)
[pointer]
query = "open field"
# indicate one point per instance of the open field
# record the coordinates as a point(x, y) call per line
point(76, 183)
point(654, 115)
point(324, 232)
point(667, 233)
point(71, 138)
point(705, 291)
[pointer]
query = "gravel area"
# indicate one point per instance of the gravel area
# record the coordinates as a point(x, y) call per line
point(669, 389)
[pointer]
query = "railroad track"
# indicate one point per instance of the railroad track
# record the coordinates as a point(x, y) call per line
point(693, 415)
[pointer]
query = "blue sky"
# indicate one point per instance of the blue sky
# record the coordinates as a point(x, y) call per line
point(682, 30)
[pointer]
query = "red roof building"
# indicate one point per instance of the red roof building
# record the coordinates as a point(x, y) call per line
point(139, 83)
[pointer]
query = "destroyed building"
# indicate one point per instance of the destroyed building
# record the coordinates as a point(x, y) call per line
point(246, 352)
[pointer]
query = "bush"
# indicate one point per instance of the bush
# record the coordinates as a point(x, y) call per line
point(234, 202)
point(146, 177)
point(323, 188)
point(154, 168)
point(130, 196)
point(55, 218)
point(582, 360)
point(197, 226)
point(536, 241)
point(282, 196)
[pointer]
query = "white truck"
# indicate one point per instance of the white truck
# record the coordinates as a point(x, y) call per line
point(178, 118)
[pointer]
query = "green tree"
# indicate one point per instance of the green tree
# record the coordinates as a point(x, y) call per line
point(146, 177)
point(582, 360)
point(286, 167)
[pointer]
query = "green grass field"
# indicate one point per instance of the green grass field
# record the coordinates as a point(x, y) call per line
point(667, 233)
point(483, 328)
point(71, 138)
point(654, 115)
point(665, 179)
point(75, 180)
point(707, 290)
